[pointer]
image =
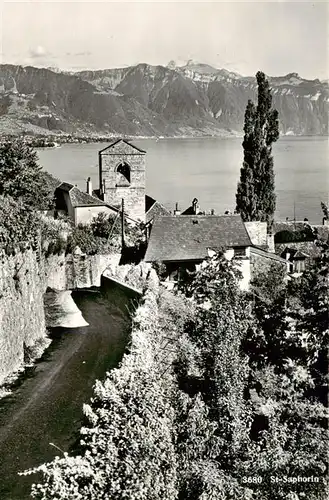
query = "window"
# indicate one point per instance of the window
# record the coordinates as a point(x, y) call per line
point(299, 266)
point(239, 252)
point(123, 174)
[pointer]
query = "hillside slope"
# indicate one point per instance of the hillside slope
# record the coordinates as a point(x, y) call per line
point(195, 99)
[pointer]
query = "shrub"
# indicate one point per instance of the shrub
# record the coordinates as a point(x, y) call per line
point(287, 236)
point(19, 226)
point(105, 226)
point(82, 236)
point(128, 442)
point(160, 269)
point(54, 234)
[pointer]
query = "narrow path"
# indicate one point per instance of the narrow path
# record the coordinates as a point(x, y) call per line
point(47, 406)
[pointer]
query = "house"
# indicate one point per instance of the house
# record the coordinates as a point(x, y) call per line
point(297, 242)
point(183, 242)
point(79, 206)
point(296, 258)
point(260, 238)
point(121, 177)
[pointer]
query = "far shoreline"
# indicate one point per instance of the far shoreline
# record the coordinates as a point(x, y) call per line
point(52, 141)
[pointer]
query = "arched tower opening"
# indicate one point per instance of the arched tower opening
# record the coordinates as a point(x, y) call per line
point(122, 176)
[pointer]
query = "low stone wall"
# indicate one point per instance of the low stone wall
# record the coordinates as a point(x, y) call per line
point(67, 272)
point(62, 311)
point(22, 319)
point(24, 279)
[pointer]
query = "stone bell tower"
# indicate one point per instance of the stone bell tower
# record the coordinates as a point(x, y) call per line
point(122, 175)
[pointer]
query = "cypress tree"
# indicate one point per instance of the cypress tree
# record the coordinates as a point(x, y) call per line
point(255, 197)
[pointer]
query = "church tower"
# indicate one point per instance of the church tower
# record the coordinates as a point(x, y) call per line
point(122, 175)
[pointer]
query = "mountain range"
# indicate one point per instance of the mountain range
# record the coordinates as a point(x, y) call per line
point(191, 100)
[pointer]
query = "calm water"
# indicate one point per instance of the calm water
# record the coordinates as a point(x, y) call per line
point(47, 406)
point(208, 169)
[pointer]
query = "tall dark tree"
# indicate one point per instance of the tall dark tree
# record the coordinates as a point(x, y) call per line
point(255, 198)
point(21, 177)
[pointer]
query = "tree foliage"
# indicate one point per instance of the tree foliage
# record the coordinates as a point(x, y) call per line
point(325, 210)
point(106, 226)
point(19, 226)
point(215, 391)
point(21, 176)
point(255, 198)
point(312, 319)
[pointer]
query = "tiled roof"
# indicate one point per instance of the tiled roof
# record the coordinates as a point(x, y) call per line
point(185, 237)
point(81, 199)
point(289, 226)
point(190, 211)
point(156, 210)
point(65, 186)
point(267, 255)
point(308, 248)
point(125, 142)
point(149, 202)
point(294, 253)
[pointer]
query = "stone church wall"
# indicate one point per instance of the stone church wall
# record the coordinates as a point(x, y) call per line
point(134, 194)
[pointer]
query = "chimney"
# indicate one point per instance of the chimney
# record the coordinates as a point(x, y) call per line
point(270, 243)
point(89, 186)
point(176, 211)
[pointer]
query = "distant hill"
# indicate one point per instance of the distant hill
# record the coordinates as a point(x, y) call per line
point(193, 100)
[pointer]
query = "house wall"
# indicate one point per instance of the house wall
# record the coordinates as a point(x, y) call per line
point(134, 194)
point(70, 209)
point(257, 232)
point(85, 215)
point(262, 263)
point(242, 263)
point(244, 267)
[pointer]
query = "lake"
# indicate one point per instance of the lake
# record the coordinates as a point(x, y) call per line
point(177, 170)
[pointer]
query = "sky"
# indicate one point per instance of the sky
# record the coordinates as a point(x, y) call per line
point(276, 37)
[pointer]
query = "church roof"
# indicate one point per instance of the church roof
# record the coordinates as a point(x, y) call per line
point(157, 210)
point(154, 209)
point(184, 238)
point(123, 145)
